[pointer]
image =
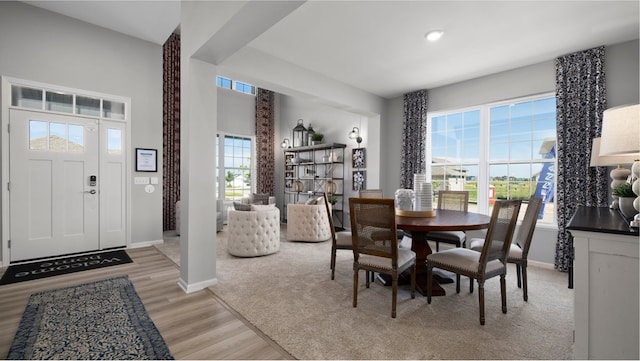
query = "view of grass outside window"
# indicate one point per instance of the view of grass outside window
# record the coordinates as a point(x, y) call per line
point(455, 153)
point(517, 161)
point(233, 179)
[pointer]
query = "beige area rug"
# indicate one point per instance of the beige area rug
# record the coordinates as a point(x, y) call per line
point(290, 297)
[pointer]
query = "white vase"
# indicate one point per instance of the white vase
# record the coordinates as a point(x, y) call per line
point(626, 206)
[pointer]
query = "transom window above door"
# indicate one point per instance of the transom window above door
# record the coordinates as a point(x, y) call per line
point(61, 102)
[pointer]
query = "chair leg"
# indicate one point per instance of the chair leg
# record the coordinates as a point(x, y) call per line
point(471, 285)
point(481, 300)
point(457, 283)
point(394, 294)
point(333, 263)
point(525, 294)
point(518, 275)
point(429, 282)
point(367, 279)
point(355, 287)
point(413, 281)
point(437, 246)
point(503, 293)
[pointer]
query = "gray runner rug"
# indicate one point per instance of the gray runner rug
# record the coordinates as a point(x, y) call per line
point(99, 320)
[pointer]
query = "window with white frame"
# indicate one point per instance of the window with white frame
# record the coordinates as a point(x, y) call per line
point(223, 82)
point(239, 86)
point(233, 178)
point(243, 87)
point(502, 150)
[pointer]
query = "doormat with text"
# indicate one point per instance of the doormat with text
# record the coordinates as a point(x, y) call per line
point(55, 267)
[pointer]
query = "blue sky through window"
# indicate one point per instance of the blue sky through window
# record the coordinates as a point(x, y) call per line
point(517, 133)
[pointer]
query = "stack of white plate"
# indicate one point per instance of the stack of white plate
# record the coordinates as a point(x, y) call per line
point(423, 193)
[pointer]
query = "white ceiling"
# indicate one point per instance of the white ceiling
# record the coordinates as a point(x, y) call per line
point(379, 47)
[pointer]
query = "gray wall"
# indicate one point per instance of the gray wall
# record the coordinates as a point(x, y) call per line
point(622, 76)
point(43, 46)
point(622, 87)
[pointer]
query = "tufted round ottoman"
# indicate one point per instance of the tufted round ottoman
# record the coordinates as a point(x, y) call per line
point(253, 233)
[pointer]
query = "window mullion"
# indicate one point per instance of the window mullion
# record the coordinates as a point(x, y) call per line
point(483, 164)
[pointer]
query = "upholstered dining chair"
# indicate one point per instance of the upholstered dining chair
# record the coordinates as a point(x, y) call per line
point(488, 263)
point(451, 200)
point(375, 245)
point(342, 240)
point(339, 240)
point(520, 245)
point(370, 193)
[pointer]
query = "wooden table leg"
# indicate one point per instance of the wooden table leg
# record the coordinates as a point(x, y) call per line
point(422, 249)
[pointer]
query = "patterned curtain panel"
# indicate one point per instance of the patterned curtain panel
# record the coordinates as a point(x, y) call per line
point(580, 101)
point(171, 130)
point(414, 137)
point(265, 159)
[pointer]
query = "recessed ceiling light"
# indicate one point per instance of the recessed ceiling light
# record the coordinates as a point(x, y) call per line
point(434, 35)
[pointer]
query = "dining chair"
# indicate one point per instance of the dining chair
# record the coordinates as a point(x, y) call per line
point(339, 240)
point(451, 200)
point(375, 245)
point(519, 249)
point(370, 193)
point(342, 240)
point(489, 262)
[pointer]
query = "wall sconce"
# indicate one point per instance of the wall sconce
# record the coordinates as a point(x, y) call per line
point(299, 135)
point(355, 134)
point(285, 143)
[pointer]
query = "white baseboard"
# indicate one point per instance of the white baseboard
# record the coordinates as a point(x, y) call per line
point(195, 287)
point(146, 244)
point(549, 266)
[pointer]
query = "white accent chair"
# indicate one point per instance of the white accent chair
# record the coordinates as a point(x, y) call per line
point(253, 233)
point(307, 223)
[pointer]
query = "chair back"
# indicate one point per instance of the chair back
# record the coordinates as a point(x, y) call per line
point(453, 200)
point(370, 193)
point(329, 215)
point(499, 235)
point(373, 228)
point(525, 232)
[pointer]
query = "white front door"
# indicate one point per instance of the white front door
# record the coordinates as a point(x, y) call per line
point(54, 184)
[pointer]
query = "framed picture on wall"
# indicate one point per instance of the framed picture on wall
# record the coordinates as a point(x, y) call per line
point(359, 158)
point(146, 160)
point(359, 180)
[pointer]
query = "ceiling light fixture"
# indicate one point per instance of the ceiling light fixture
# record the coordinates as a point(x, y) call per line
point(434, 35)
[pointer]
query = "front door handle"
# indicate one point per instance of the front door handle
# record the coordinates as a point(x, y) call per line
point(93, 191)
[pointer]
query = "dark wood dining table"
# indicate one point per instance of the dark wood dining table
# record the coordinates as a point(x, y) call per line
point(444, 220)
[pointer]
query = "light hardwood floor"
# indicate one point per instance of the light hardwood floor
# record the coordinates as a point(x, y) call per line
point(195, 326)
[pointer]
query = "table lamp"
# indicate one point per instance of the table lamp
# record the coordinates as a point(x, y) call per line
point(621, 137)
point(618, 175)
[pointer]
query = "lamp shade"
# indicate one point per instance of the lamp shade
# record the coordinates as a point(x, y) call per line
point(621, 131)
point(598, 160)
